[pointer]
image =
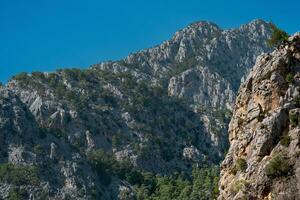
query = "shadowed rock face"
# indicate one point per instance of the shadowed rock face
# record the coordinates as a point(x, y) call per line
point(162, 109)
point(263, 159)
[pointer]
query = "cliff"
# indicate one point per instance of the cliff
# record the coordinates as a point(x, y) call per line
point(263, 159)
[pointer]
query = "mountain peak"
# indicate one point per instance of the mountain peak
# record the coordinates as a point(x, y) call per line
point(203, 24)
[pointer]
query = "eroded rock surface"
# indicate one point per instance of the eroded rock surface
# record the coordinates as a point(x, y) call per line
point(263, 159)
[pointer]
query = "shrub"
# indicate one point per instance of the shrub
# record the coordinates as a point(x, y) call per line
point(297, 101)
point(16, 194)
point(38, 75)
point(285, 141)
point(278, 36)
point(38, 150)
point(23, 78)
point(289, 78)
point(277, 166)
point(294, 119)
point(19, 174)
point(106, 165)
point(238, 185)
point(241, 164)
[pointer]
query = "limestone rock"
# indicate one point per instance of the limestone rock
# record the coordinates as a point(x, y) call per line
point(264, 131)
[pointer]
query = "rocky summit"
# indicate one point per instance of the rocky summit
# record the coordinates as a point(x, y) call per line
point(103, 132)
point(263, 159)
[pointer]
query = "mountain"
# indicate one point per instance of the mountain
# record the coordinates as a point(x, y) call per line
point(99, 132)
point(263, 159)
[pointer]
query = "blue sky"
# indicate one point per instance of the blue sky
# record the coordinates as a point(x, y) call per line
point(43, 35)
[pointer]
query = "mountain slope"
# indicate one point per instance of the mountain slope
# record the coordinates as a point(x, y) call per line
point(160, 110)
point(263, 159)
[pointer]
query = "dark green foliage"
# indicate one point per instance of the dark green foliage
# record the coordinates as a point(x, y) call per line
point(294, 119)
point(106, 165)
point(186, 64)
point(23, 78)
point(233, 170)
point(241, 164)
point(285, 140)
point(43, 132)
point(39, 150)
point(19, 174)
point(116, 140)
point(278, 36)
point(239, 185)
point(38, 75)
point(277, 166)
point(16, 194)
point(74, 74)
point(223, 115)
point(289, 78)
point(201, 186)
point(297, 101)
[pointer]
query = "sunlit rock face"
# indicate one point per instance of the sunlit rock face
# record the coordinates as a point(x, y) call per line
point(263, 159)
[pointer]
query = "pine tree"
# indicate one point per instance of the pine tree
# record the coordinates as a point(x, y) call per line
point(278, 36)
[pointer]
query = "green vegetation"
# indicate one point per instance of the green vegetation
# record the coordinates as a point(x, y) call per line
point(285, 140)
point(16, 194)
point(223, 115)
point(39, 150)
point(278, 36)
point(201, 186)
point(186, 64)
point(106, 165)
point(239, 185)
point(294, 119)
point(297, 101)
point(241, 164)
point(146, 101)
point(19, 174)
point(277, 166)
point(289, 78)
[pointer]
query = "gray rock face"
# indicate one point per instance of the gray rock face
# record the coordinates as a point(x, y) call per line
point(162, 109)
point(23, 145)
point(263, 159)
point(199, 86)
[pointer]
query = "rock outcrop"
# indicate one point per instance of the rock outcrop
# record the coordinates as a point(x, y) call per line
point(263, 159)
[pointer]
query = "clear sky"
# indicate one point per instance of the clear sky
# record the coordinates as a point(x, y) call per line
point(43, 35)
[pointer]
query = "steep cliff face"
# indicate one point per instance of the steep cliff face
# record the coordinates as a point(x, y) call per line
point(263, 159)
point(161, 110)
